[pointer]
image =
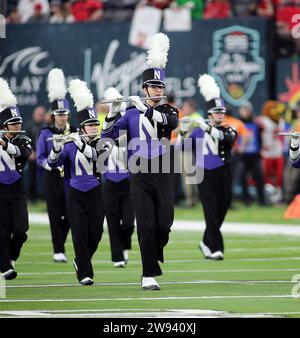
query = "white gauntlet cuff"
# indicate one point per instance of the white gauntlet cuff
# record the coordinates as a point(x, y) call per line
point(13, 150)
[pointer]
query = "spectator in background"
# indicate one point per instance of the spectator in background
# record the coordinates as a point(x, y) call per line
point(6, 7)
point(159, 4)
point(38, 16)
point(285, 10)
point(243, 7)
point(251, 158)
point(26, 8)
point(13, 16)
point(196, 7)
point(217, 9)
point(119, 10)
point(48, 118)
point(61, 12)
point(33, 128)
point(238, 147)
point(102, 110)
point(271, 121)
point(265, 8)
point(87, 10)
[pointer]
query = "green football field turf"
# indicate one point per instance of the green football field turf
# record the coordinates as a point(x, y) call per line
point(254, 279)
point(273, 214)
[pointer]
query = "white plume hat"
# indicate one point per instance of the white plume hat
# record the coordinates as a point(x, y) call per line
point(57, 91)
point(211, 93)
point(157, 59)
point(84, 102)
point(9, 111)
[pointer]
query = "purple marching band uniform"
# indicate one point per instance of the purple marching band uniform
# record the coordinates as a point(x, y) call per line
point(13, 204)
point(56, 180)
point(118, 203)
point(215, 189)
point(152, 192)
point(84, 201)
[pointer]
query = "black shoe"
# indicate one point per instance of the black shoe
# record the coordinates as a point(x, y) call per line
point(9, 274)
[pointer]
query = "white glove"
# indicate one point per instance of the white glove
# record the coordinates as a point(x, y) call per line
point(114, 108)
point(46, 166)
point(185, 124)
point(58, 144)
point(294, 154)
point(11, 149)
point(137, 102)
point(76, 139)
point(214, 132)
point(203, 125)
point(295, 141)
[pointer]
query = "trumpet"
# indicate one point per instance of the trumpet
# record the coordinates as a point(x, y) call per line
point(127, 99)
point(289, 133)
point(12, 131)
point(68, 138)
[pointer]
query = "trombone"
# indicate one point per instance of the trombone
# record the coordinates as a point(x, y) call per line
point(68, 138)
point(127, 99)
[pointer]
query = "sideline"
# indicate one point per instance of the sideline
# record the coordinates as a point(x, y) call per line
point(235, 228)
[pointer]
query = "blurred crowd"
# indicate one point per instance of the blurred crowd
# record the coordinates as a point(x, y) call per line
point(71, 11)
point(260, 166)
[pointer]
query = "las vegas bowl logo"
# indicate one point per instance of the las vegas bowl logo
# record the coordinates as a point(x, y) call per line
point(236, 64)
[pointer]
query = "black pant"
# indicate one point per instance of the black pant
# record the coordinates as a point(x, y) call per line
point(154, 205)
point(56, 206)
point(86, 215)
point(215, 194)
point(13, 223)
point(252, 164)
point(119, 213)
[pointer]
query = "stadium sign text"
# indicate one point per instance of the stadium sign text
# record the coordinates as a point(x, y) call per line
point(236, 64)
point(126, 77)
point(28, 68)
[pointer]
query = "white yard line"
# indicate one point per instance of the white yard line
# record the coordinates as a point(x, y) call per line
point(228, 227)
point(72, 300)
point(143, 310)
point(166, 271)
point(122, 313)
point(132, 262)
point(239, 282)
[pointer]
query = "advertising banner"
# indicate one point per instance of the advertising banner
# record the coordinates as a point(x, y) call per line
point(235, 52)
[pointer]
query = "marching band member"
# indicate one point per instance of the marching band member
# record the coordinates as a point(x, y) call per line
point(152, 191)
point(14, 152)
point(215, 189)
point(55, 183)
point(294, 151)
point(84, 202)
point(119, 210)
